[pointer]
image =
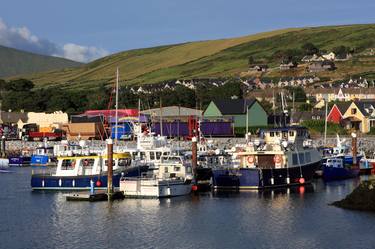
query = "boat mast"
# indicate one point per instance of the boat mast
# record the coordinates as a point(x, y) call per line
point(161, 119)
point(247, 121)
point(325, 124)
point(274, 108)
point(116, 113)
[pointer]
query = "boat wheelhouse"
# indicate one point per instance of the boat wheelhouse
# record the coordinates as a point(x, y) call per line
point(43, 156)
point(172, 176)
point(279, 157)
point(78, 172)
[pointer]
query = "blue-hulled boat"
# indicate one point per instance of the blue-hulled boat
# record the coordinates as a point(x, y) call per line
point(335, 169)
point(281, 157)
point(43, 156)
point(77, 172)
point(19, 161)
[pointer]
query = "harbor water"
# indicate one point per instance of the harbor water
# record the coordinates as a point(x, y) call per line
point(286, 218)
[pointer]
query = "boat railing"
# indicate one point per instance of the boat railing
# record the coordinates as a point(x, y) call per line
point(43, 170)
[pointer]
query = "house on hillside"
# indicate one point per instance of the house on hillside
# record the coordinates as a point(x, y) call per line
point(337, 111)
point(288, 65)
point(312, 58)
point(320, 66)
point(259, 68)
point(239, 110)
point(298, 117)
point(360, 116)
point(329, 56)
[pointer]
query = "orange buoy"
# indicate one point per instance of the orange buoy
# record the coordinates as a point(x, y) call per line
point(302, 180)
point(194, 188)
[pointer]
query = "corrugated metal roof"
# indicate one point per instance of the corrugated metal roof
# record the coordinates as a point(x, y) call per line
point(172, 111)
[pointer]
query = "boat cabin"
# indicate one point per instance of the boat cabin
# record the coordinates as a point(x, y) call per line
point(334, 163)
point(90, 165)
point(172, 167)
point(293, 134)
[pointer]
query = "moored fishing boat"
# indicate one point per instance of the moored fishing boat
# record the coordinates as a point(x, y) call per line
point(281, 157)
point(335, 169)
point(43, 156)
point(79, 172)
point(172, 176)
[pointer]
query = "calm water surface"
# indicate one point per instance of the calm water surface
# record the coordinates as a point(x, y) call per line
point(298, 218)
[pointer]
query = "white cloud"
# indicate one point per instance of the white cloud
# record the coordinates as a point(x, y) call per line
point(82, 53)
point(22, 38)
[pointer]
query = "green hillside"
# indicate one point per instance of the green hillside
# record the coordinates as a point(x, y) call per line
point(217, 58)
point(16, 62)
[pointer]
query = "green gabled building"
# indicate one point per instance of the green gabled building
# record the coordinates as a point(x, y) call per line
point(237, 109)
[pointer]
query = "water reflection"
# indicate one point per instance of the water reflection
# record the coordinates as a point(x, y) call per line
point(273, 218)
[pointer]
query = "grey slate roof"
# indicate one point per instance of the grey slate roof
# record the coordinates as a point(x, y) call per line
point(343, 106)
point(12, 117)
point(233, 106)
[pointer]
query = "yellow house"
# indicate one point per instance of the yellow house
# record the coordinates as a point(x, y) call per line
point(46, 120)
point(360, 115)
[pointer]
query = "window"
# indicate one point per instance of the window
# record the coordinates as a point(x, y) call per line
point(158, 155)
point(177, 169)
point(301, 158)
point(354, 111)
point(68, 164)
point(88, 162)
point(165, 169)
point(152, 155)
point(272, 134)
point(295, 159)
point(285, 134)
point(143, 155)
point(291, 133)
point(122, 162)
point(277, 134)
point(308, 157)
point(134, 155)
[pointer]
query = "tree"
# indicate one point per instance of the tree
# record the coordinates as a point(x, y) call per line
point(251, 60)
point(309, 48)
point(20, 85)
point(341, 50)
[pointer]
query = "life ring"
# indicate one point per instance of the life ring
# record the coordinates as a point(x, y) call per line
point(277, 159)
point(250, 159)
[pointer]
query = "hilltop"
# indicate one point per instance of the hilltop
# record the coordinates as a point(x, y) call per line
point(17, 62)
point(219, 58)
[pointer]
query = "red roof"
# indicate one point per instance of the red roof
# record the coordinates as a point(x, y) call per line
point(112, 113)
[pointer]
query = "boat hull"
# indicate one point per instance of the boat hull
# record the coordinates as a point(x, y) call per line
point(255, 178)
point(19, 161)
point(49, 182)
point(42, 160)
point(333, 173)
point(140, 188)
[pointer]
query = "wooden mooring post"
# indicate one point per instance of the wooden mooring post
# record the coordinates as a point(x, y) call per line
point(109, 168)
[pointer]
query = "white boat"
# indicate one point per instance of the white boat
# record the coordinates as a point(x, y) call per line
point(4, 163)
point(80, 171)
point(172, 176)
point(150, 148)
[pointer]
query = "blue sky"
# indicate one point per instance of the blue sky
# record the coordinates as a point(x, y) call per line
point(93, 28)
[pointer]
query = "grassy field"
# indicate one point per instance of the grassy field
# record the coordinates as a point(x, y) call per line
point(15, 62)
point(217, 58)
